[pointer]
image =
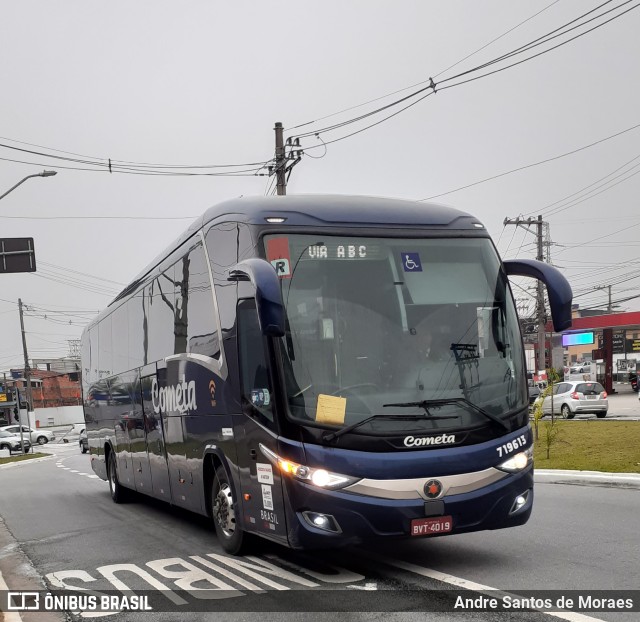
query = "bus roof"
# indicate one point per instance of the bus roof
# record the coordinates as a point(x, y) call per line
point(323, 211)
point(342, 210)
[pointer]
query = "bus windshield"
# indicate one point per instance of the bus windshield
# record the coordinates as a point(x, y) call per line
point(397, 326)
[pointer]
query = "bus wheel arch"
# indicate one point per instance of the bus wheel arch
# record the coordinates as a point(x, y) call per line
point(118, 492)
point(224, 509)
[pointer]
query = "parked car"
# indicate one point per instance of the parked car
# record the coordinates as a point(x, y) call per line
point(580, 368)
point(35, 436)
point(83, 441)
point(571, 398)
point(534, 394)
point(72, 434)
point(12, 442)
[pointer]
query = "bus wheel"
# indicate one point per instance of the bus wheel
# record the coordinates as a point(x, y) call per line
point(117, 491)
point(228, 530)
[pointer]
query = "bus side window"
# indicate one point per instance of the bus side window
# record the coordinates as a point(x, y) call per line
point(197, 302)
point(254, 373)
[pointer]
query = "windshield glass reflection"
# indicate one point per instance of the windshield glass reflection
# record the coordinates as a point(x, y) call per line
point(378, 321)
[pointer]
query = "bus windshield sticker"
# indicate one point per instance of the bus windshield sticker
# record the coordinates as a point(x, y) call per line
point(267, 498)
point(279, 256)
point(265, 473)
point(331, 409)
point(260, 397)
point(411, 262)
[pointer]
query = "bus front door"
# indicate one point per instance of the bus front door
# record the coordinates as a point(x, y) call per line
point(263, 510)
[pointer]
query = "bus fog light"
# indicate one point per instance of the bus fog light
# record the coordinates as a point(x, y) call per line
point(325, 522)
point(519, 502)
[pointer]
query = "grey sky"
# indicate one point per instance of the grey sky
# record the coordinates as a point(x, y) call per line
point(203, 83)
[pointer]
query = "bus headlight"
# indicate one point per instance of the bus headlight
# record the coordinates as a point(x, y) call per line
point(318, 477)
point(518, 462)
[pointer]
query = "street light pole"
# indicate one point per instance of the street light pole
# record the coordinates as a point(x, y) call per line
point(43, 174)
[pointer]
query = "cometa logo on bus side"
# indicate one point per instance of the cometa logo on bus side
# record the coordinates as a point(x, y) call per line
point(442, 439)
point(180, 397)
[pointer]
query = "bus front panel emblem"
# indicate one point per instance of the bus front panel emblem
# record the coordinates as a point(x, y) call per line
point(432, 489)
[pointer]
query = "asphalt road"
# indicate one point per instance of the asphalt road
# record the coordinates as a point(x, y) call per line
point(60, 524)
point(623, 405)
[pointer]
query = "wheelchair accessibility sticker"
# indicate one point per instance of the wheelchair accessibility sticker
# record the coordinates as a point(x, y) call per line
point(411, 262)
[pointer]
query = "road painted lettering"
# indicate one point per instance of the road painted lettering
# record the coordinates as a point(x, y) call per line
point(109, 573)
point(212, 576)
point(189, 576)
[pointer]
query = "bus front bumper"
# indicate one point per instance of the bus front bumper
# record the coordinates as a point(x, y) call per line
point(335, 518)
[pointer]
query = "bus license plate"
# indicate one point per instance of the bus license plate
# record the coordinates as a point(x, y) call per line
point(431, 526)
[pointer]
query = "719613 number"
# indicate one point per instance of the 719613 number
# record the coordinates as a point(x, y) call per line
point(511, 446)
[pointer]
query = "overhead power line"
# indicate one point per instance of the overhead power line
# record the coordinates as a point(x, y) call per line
point(406, 102)
point(526, 166)
point(575, 197)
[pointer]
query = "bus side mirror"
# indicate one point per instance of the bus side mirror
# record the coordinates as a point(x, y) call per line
point(558, 288)
point(268, 298)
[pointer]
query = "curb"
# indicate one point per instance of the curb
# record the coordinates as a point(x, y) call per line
point(17, 573)
point(587, 478)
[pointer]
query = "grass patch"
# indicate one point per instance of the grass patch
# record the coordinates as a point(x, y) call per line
point(21, 457)
point(609, 446)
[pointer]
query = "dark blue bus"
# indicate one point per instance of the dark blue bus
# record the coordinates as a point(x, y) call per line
point(320, 371)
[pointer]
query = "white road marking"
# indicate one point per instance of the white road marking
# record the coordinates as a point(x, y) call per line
point(60, 465)
point(571, 616)
point(8, 616)
point(367, 586)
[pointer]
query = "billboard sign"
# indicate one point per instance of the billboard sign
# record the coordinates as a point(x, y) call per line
point(17, 255)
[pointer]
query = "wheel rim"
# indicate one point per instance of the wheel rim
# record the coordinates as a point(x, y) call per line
point(223, 510)
point(42, 440)
point(565, 411)
point(112, 476)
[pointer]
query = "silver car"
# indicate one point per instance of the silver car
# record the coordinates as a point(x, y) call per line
point(12, 442)
point(577, 396)
point(35, 436)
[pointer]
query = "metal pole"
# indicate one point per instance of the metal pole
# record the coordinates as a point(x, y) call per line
point(43, 174)
point(27, 369)
point(280, 160)
point(540, 302)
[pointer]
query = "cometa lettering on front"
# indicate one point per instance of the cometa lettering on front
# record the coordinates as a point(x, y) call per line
point(422, 441)
point(180, 397)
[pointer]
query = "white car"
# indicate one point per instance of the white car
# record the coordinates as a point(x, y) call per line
point(12, 443)
point(35, 436)
point(577, 397)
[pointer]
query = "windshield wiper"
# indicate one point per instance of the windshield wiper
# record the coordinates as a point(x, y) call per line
point(452, 400)
point(333, 435)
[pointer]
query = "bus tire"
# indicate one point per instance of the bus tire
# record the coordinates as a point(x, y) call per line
point(118, 493)
point(223, 510)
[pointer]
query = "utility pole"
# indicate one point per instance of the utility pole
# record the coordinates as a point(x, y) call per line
point(281, 160)
point(284, 162)
point(610, 305)
point(27, 369)
point(540, 315)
